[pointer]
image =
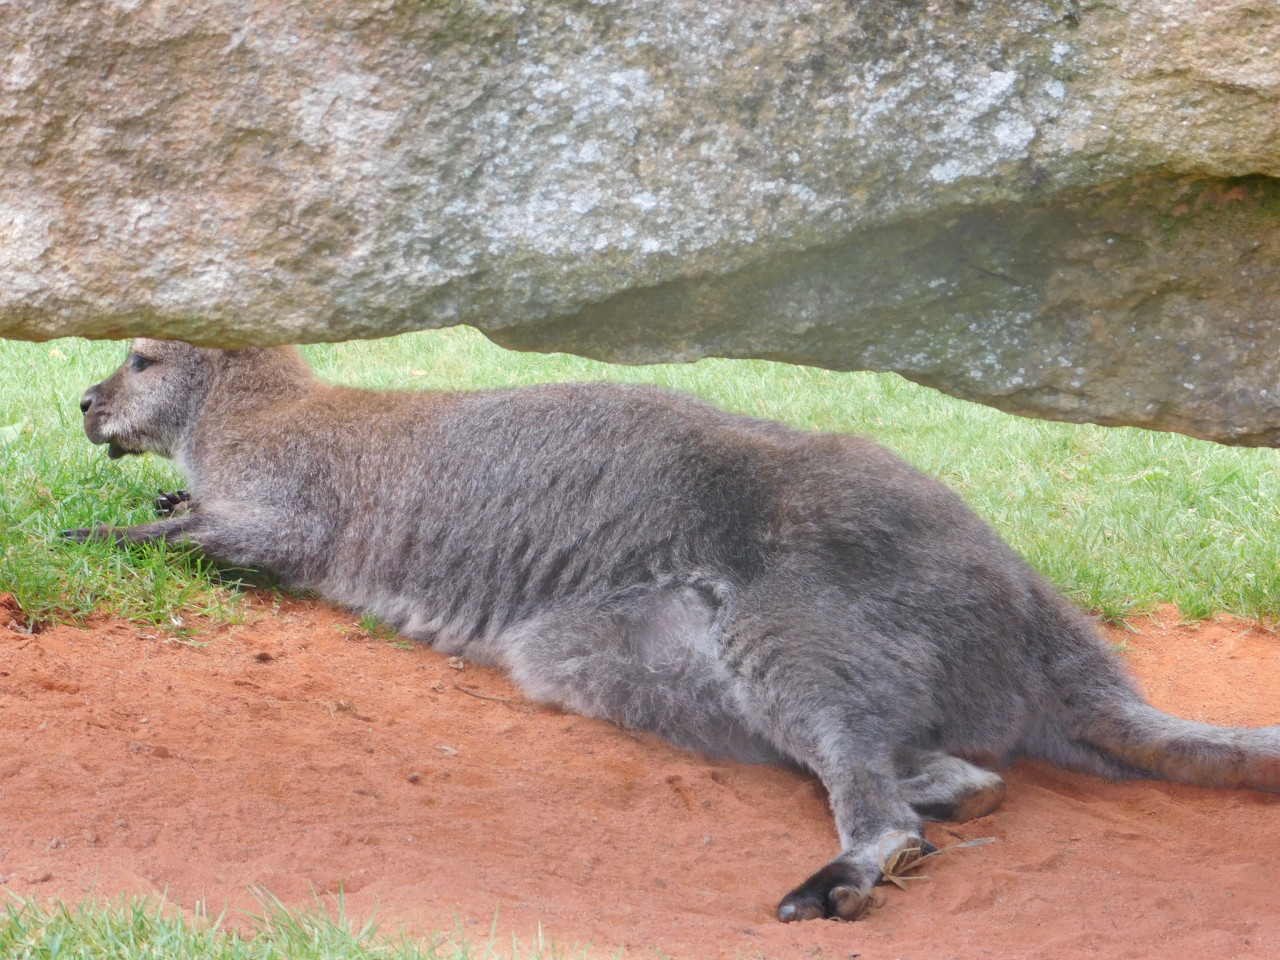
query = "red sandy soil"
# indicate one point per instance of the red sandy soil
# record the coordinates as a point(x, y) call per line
point(295, 752)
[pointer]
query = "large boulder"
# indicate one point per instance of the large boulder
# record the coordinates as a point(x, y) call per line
point(1060, 208)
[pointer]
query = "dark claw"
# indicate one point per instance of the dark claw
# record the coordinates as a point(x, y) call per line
point(172, 504)
point(79, 534)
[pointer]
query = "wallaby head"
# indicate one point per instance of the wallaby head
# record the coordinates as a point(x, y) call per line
point(150, 403)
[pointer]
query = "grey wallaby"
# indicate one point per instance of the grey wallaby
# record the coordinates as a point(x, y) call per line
point(731, 584)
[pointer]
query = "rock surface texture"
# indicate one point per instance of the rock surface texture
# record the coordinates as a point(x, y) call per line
point(1063, 209)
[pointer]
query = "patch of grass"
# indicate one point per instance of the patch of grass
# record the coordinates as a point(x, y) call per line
point(377, 629)
point(1121, 519)
point(143, 929)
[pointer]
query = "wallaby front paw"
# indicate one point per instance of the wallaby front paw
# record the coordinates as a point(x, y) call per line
point(173, 504)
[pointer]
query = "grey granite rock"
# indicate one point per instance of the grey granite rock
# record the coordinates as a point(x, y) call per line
point(1063, 209)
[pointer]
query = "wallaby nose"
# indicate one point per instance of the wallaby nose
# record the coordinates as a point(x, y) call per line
point(87, 400)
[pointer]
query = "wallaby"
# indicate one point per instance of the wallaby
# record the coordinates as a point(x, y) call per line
point(730, 584)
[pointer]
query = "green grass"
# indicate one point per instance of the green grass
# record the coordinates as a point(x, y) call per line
point(1121, 519)
point(151, 930)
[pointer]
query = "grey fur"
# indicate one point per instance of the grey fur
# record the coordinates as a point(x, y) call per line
point(730, 584)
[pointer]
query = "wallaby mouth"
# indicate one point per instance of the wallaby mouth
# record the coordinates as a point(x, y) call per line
point(93, 430)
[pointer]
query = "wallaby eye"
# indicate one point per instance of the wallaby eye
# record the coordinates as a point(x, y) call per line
point(138, 363)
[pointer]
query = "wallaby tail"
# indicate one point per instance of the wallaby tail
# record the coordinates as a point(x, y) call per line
point(1153, 743)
